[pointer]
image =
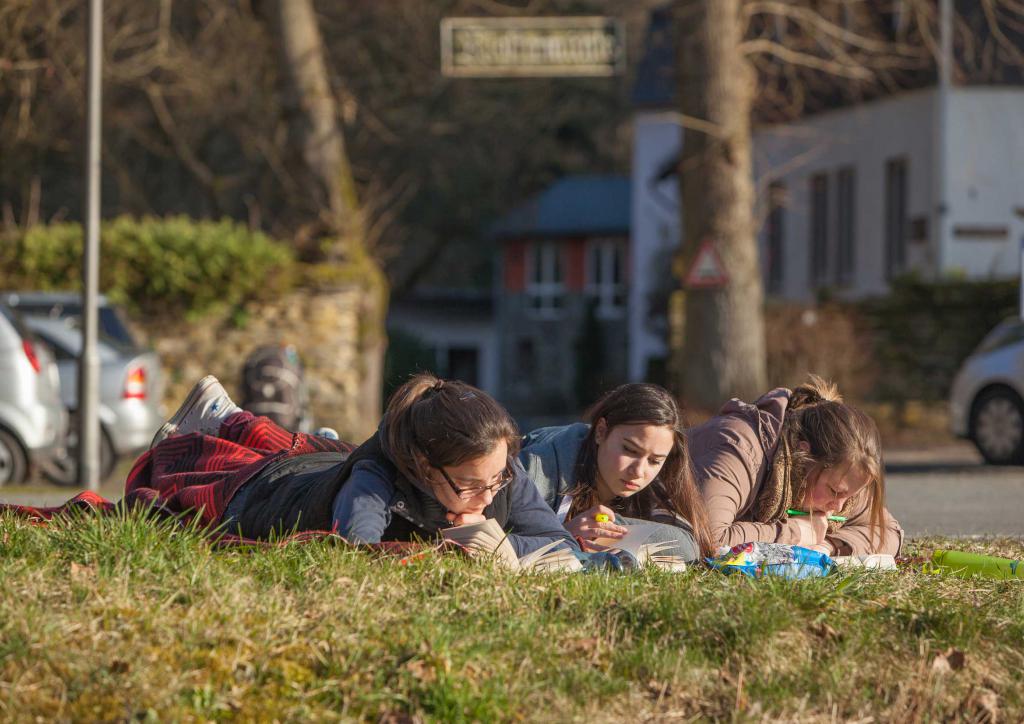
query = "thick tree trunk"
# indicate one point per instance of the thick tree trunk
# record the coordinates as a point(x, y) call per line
point(723, 352)
point(330, 184)
point(319, 135)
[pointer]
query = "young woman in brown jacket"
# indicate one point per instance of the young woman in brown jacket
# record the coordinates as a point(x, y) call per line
point(799, 467)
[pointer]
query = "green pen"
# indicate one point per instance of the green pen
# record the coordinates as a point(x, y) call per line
point(836, 518)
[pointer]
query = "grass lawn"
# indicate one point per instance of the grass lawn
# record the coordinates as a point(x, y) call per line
point(121, 618)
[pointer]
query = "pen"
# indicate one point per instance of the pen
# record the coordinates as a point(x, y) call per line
point(837, 518)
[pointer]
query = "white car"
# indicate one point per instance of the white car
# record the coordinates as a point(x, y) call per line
point(32, 419)
point(986, 403)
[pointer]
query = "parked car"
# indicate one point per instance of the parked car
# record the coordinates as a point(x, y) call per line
point(131, 379)
point(986, 403)
point(33, 421)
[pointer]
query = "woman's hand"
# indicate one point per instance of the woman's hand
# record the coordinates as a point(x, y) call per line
point(827, 548)
point(812, 529)
point(465, 518)
point(585, 529)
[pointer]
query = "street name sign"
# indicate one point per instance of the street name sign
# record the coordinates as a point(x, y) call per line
point(536, 46)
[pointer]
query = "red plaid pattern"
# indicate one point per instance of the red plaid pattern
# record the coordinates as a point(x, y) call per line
point(200, 473)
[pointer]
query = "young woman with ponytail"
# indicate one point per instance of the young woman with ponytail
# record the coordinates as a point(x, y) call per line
point(444, 455)
point(803, 450)
point(629, 465)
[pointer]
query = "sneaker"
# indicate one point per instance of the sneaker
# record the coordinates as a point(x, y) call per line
point(327, 432)
point(205, 408)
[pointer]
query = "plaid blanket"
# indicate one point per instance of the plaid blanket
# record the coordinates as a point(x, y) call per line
point(191, 478)
point(201, 473)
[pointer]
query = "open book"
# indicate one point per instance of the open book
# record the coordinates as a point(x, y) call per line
point(488, 539)
point(875, 561)
point(635, 543)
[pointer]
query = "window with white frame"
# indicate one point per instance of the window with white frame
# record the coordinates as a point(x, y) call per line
point(606, 275)
point(545, 279)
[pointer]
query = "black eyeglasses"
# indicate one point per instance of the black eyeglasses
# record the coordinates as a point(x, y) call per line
point(506, 476)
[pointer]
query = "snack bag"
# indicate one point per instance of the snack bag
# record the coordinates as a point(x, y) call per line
point(772, 559)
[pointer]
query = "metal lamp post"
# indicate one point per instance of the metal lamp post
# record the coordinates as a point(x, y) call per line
point(88, 363)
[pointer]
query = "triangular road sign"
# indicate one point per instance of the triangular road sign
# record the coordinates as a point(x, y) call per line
point(707, 270)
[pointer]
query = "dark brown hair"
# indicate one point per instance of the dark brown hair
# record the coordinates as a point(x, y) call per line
point(440, 423)
point(674, 489)
point(837, 434)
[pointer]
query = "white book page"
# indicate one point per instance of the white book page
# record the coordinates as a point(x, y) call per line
point(551, 557)
point(876, 561)
point(631, 542)
point(484, 539)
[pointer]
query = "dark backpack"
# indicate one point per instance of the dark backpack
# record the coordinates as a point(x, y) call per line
point(273, 385)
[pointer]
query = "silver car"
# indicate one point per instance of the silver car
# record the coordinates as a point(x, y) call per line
point(32, 419)
point(131, 379)
point(986, 403)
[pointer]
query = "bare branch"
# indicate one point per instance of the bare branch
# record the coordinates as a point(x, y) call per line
point(795, 57)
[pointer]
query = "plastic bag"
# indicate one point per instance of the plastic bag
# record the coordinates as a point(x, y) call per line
point(772, 559)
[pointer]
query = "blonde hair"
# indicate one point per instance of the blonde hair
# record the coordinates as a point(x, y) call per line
point(837, 434)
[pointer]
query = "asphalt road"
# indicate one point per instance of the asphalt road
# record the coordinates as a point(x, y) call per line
point(949, 491)
point(939, 491)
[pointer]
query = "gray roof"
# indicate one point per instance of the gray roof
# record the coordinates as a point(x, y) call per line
point(574, 205)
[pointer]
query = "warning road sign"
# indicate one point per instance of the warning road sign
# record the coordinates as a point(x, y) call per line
point(707, 270)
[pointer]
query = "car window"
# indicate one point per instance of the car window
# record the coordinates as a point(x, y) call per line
point(19, 326)
point(1009, 332)
point(111, 329)
point(60, 352)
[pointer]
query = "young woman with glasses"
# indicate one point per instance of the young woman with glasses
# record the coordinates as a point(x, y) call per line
point(444, 455)
point(630, 465)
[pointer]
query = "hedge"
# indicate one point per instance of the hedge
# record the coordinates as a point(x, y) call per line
point(164, 266)
point(923, 331)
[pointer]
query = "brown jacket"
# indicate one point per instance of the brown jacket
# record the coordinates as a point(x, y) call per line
point(731, 455)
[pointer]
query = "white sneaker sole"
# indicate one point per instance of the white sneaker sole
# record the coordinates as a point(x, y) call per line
point(194, 396)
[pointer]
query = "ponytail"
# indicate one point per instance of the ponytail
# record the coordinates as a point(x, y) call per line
point(439, 423)
point(836, 434)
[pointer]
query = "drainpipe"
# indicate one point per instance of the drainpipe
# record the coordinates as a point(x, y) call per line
point(941, 213)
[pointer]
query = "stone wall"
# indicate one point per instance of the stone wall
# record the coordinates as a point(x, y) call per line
point(336, 332)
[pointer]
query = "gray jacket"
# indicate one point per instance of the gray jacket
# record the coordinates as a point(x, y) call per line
point(549, 456)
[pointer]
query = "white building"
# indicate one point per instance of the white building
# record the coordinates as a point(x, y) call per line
point(917, 181)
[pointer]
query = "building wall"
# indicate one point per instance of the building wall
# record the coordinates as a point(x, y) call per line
point(443, 330)
point(985, 181)
point(864, 138)
point(546, 358)
point(657, 138)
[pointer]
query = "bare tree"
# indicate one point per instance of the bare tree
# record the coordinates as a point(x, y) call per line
point(791, 58)
point(317, 128)
point(724, 341)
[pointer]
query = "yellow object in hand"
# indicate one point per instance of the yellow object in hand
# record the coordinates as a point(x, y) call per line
point(602, 518)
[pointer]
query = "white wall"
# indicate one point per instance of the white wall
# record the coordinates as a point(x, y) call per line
point(655, 228)
point(985, 179)
point(864, 137)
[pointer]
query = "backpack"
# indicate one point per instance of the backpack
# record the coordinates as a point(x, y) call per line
point(273, 385)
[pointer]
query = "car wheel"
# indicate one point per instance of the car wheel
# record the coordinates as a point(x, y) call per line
point(997, 427)
point(64, 470)
point(13, 460)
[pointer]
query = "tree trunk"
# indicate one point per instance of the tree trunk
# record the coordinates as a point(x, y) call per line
point(329, 180)
point(723, 351)
point(316, 126)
